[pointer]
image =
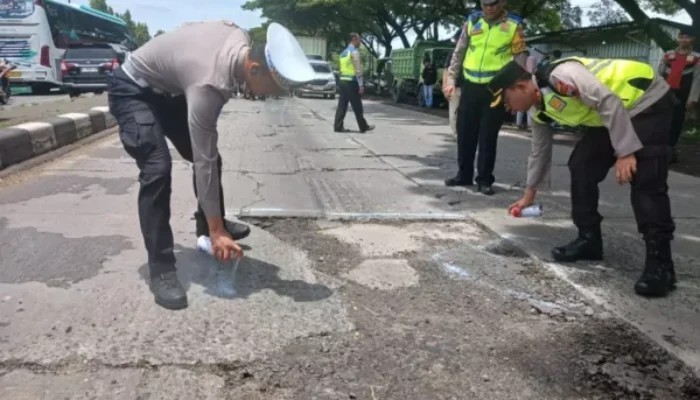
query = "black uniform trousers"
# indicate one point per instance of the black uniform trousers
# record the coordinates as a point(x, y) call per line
point(349, 93)
point(593, 157)
point(678, 115)
point(145, 120)
point(477, 126)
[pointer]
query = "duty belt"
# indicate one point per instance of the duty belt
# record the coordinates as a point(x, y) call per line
point(138, 79)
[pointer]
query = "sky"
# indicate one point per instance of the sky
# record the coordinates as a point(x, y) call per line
point(161, 14)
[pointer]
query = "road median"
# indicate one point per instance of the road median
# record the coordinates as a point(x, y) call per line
point(28, 140)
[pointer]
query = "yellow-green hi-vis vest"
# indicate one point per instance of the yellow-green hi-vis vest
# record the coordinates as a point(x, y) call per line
point(489, 47)
point(618, 75)
point(347, 68)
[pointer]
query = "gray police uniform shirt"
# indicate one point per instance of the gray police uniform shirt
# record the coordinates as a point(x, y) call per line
point(203, 61)
point(597, 96)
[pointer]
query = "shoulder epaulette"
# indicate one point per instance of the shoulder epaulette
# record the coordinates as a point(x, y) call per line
point(474, 16)
point(515, 18)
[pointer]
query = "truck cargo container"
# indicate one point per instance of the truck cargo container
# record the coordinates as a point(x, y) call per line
point(407, 68)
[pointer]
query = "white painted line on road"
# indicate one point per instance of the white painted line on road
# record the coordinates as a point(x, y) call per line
point(287, 213)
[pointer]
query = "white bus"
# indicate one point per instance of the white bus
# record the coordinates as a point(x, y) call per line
point(35, 33)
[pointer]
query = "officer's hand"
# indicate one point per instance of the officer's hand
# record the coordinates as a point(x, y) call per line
point(224, 247)
point(626, 167)
point(527, 200)
point(362, 91)
point(690, 105)
point(448, 91)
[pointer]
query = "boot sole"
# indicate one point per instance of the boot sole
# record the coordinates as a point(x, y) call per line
point(645, 293)
point(570, 259)
point(170, 305)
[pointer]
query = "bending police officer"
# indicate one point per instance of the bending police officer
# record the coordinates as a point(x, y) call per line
point(174, 87)
point(627, 107)
point(351, 87)
point(488, 41)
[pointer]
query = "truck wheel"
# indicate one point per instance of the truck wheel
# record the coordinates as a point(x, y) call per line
point(421, 97)
point(332, 97)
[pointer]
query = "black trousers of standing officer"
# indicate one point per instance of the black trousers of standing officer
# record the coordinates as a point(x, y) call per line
point(145, 119)
point(477, 126)
point(593, 157)
point(349, 93)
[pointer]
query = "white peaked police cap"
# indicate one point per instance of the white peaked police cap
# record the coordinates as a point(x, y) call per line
point(286, 60)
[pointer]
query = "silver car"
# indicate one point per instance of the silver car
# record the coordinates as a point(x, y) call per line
point(324, 84)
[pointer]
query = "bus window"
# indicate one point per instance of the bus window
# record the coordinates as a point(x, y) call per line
point(16, 9)
point(69, 26)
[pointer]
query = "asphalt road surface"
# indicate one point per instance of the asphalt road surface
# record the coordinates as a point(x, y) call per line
point(360, 281)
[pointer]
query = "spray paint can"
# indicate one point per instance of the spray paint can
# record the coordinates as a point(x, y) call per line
point(534, 210)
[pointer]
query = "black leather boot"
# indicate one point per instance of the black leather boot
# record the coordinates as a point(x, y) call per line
point(458, 180)
point(237, 230)
point(659, 276)
point(168, 291)
point(587, 246)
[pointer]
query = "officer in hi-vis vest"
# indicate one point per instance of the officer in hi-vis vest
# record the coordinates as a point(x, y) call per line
point(628, 109)
point(489, 40)
point(351, 87)
point(681, 68)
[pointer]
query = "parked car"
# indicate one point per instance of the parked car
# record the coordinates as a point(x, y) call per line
point(324, 84)
point(86, 67)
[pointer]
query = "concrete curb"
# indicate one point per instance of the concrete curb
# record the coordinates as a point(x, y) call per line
point(31, 139)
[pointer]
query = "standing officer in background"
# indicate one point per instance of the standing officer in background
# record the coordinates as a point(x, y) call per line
point(681, 68)
point(174, 87)
point(352, 87)
point(489, 40)
point(627, 107)
point(456, 95)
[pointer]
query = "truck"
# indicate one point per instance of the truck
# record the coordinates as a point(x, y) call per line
point(407, 68)
point(316, 48)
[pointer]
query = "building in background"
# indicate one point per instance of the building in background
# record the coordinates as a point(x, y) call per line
point(620, 40)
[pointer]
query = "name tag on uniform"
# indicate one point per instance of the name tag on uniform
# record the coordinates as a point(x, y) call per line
point(557, 103)
point(476, 31)
point(505, 27)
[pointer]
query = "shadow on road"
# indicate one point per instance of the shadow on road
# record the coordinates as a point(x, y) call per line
point(253, 276)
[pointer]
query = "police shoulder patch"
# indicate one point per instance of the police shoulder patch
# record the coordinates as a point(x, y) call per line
point(566, 89)
point(557, 103)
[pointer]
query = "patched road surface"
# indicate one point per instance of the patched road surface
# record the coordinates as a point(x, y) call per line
point(360, 281)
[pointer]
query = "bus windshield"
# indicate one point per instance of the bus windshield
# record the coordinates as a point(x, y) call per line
point(16, 9)
point(69, 25)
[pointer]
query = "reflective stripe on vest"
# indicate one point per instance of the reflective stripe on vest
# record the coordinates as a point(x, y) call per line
point(347, 68)
point(489, 48)
point(615, 74)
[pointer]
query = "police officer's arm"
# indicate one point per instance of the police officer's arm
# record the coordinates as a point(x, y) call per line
point(518, 46)
point(539, 163)
point(358, 67)
point(458, 57)
point(204, 104)
point(661, 68)
point(597, 96)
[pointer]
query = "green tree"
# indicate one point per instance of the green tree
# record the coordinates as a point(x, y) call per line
point(383, 22)
point(606, 12)
point(636, 10)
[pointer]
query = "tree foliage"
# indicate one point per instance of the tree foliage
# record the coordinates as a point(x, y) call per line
point(137, 30)
point(635, 9)
point(384, 22)
point(606, 12)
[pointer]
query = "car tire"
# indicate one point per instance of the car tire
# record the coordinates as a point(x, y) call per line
point(332, 97)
